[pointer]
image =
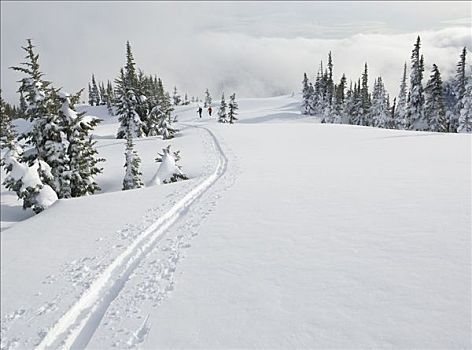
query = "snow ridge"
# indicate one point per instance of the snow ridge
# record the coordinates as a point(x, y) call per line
point(77, 326)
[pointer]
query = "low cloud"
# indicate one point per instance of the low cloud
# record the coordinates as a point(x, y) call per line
point(253, 49)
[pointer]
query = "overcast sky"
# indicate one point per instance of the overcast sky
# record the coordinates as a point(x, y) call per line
point(251, 48)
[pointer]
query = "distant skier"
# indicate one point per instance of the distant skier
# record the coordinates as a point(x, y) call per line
point(200, 110)
point(210, 110)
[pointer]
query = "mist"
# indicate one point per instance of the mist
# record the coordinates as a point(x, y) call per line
point(254, 49)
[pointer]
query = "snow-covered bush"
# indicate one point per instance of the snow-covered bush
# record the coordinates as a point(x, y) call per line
point(169, 170)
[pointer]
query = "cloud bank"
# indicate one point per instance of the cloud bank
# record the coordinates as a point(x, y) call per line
point(254, 49)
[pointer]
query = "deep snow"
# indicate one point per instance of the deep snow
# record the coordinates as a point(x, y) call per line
point(289, 234)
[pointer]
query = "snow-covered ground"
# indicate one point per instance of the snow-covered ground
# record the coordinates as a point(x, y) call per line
point(289, 234)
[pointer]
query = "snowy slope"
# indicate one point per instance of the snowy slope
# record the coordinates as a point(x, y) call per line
point(289, 234)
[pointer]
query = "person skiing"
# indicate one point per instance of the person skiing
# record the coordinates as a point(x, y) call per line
point(200, 110)
point(209, 110)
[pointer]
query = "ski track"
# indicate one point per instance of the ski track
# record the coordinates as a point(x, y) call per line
point(77, 325)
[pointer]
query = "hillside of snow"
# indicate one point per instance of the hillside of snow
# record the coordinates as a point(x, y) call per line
point(288, 234)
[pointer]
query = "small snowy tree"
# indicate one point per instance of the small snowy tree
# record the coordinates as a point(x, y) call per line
point(129, 119)
point(222, 117)
point(233, 107)
point(207, 99)
point(95, 98)
point(177, 100)
point(435, 111)
point(380, 111)
point(169, 170)
point(306, 95)
point(459, 86)
point(83, 161)
point(132, 177)
point(465, 119)
point(402, 104)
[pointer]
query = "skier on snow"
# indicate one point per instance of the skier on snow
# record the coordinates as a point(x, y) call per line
point(200, 110)
point(209, 110)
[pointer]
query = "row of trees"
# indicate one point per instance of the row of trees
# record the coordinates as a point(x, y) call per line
point(438, 106)
point(56, 157)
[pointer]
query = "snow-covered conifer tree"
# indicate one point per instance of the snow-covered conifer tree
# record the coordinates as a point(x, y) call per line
point(207, 99)
point(339, 101)
point(401, 108)
point(416, 119)
point(95, 93)
point(465, 119)
point(222, 116)
point(306, 96)
point(169, 169)
point(129, 119)
point(365, 99)
point(233, 107)
point(434, 110)
point(132, 177)
point(177, 100)
point(459, 89)
point(83, 161)
point(380, 111)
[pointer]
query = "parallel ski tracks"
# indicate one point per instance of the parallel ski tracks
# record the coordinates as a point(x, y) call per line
point(76, 326)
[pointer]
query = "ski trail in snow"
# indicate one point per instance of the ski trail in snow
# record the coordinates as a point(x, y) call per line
point(76, 327)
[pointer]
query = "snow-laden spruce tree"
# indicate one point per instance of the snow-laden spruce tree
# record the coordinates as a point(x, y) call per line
point(380, 111)
point(306, 95)
point(364, 113)
point(339, 101)
point(401, 108)
point(207, 99)
point(24, 179)
point(169, 169)
point(83, 160)
point(45, 140)
point(7, 134)
point(434, 110)
point(222, 116)
point(416, 119)
point(164, 127)
point(459, 89)
point(110, 98)
point(465, 119)
point(349, 103)
point(94, 97)
point(129, 119)
point(132, 177)
point(177, 100)
point(232, 108)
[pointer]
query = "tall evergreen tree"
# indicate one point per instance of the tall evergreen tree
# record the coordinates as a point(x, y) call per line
point(132, 177)
point(365, 98)
point(306, 95)
point(401, 109)
point(465, 119)
point(459, 87)
point(95, 93)
point(416, 118)
point(176, 97)
point(339, 101)
point(222, 117)
point(129, 119)
point(233, 107)
point(380, 111)
point(434, 102)
point(207, 99)
point(83, 161)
